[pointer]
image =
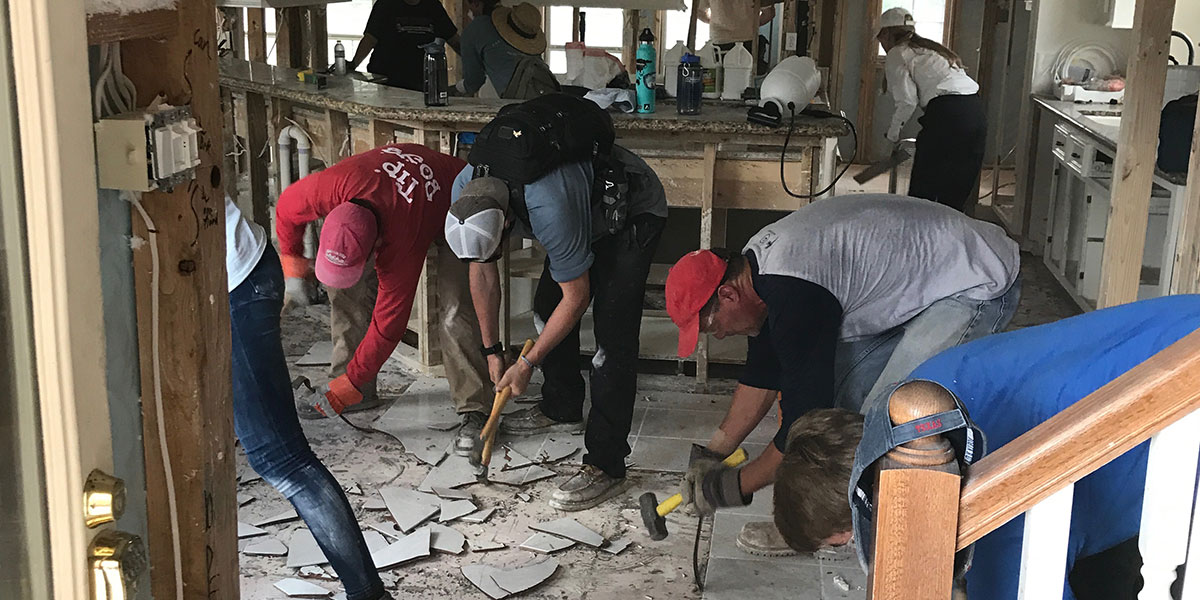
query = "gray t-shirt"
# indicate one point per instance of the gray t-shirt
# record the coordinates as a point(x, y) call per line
point(561, 211)
point(484, 52)
point(886, 258)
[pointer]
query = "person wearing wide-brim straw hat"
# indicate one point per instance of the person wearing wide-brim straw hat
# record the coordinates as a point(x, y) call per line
point(953, 137)
point(496, 43)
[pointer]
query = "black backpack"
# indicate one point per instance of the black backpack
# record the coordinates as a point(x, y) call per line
point(525, 141)
point(1175, 134)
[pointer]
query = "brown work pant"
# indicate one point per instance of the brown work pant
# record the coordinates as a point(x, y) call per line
point(458, 327)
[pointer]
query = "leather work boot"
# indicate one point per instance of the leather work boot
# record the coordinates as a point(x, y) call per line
point(763, 539)
point(468, 433)
point(587, 488)
point(532, 421)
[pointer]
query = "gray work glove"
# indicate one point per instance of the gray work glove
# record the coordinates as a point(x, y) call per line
point(721, 487)
point(295, 293)
point(700, 462)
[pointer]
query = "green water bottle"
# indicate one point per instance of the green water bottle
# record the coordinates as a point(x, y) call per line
point(645, 72)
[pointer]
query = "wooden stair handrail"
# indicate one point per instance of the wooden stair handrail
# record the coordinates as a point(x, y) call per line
point(1087, 435)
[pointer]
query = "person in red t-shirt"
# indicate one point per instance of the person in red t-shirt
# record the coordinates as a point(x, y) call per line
point(382, 209)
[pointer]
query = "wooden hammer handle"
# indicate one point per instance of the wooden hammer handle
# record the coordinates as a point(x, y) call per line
point(488, 434)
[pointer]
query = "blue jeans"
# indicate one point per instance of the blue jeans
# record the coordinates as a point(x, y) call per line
point(864, 368)
point(264, 417)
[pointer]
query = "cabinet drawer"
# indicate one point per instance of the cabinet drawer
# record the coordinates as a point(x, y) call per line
point(1062, 141)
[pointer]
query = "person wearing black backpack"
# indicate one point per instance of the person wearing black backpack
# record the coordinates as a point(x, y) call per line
point(548, 168)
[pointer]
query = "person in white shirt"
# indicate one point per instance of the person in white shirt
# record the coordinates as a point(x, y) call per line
point(951, 144)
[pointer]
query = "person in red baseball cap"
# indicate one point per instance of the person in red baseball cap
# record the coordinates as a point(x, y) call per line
point(840, 299)
point(383, 209)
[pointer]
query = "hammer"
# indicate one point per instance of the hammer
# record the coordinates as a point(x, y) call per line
point(481, 454)
point(654, 514)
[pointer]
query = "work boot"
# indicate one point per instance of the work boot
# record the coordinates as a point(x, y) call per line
point(763, 539)
point(468, 433)
point(587, 488)
point(310, 412)
point(532, 421)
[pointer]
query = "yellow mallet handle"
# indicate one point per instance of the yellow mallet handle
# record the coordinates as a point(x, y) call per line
point(666, 506)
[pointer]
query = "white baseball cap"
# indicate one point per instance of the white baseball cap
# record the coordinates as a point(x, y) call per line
point(475, 223)
point(897, 17)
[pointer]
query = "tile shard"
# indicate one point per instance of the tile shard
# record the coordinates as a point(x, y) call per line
point(479, 516)
point(388, 529)
point(519, 579)
point(412, 546)
point(283, 517)
point(244, 499)
point(375, 541)
point(298, 588)
point(446, 539)
point(374, 503)
point(556, 448)
point(546, 543)
point(481, 577)
point(453, 509)
point(354, 489)
point(455, 471)
point(266, 547)
point(246, 530)
point(315, 572)
point(481, 545)
point(303, 550)
point(522, 476)
point(572, 530)
point(452, 494)
point(409, 508)
point(616, 546)
point(319, 354)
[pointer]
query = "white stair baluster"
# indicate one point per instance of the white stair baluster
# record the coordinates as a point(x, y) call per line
point(1044, 547)
point(1167, 505)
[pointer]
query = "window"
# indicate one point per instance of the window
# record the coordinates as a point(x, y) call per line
point(929, 15)
point(603, 31)
point(345, 21)
point(676, 28)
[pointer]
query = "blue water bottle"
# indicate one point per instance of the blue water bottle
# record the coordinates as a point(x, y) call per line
point(645, 72)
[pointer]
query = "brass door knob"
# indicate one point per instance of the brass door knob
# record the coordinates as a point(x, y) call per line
point(103, 499)
point(116, 560)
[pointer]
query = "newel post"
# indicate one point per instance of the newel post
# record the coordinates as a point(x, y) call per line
point(916, 506)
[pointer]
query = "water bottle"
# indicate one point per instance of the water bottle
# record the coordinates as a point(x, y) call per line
point(436, 84)
point(691, 85)
point(339, 58)
point(645, 72)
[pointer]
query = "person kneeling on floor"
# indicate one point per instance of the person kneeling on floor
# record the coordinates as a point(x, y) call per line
point(1004, 385)
point(383, 208)
point(841, 298)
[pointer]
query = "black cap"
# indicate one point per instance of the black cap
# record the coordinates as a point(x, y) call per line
point(646, 35)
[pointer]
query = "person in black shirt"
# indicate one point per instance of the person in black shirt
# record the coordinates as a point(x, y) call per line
point(396, 31)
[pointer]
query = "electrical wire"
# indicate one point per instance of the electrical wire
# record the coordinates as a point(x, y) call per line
point(699, 582)
point(783, 155)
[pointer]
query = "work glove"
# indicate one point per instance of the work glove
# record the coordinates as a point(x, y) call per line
point(336, 396)
point(296, 272)
point(700, 462)
point(721, 487)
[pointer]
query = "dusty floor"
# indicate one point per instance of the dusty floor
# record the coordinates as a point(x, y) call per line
point(668, 419)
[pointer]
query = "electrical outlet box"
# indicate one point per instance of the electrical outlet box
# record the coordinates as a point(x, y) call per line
point(790, 41)
point(147, 149)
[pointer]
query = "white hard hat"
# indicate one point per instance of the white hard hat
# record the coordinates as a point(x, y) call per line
point(896, 17)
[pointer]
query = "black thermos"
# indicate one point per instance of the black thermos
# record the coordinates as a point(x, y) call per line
point(436, 84)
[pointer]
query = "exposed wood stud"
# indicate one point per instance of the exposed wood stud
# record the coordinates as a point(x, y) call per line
point(257, 147)
point(1185, 277)
point(339, 136)
point(256, 35)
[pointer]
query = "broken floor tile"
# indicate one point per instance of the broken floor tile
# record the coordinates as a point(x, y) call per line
point(412, 546)
point(446, 539)
point(408, 417)
point(374, 503)
point(523, 497)
point(443, 425)
point(481, 577)
point(523, 476)
point(453, 509)
point(375, 541)
point(616, 546)
point(318, 355)
point(247, 475)
point(283, 517)
point(519, 579)
point(480, 515)
point(303, 550)
point(409, 508)
point(354, 489)
point(455, 471)
point(266, 547)
point(244, 499)
point(572, 530)
point(511, 459)
point(546, 543)
point(314, 571)
point(339, 596)
point(246, 530)
point(558, 447)
point(452, 494)
point(388, 529)
point(389, 580)
point(479, 545)
point(298, 588)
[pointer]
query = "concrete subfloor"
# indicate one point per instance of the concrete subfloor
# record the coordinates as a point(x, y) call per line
point(668, 418)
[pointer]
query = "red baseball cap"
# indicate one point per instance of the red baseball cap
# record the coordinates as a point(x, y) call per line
point(347, 240)
point(690, 284)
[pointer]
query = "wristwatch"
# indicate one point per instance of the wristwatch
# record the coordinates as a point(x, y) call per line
point(497, 348)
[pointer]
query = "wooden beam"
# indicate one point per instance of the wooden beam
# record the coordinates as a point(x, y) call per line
point(1093, 431)
point(630, 41)
point(1137, 147)
point(692, 16)
point(839, 57)
point(258, 143)
point(458, 15)
point(289, 37)
point(236, 26)
point(707, 194)
point(575, 24)
point(316, 38)
point(256, 35)
point(867, 74)
point(339, 136)
point(112, 27)
point(382, 133)
point(1185, 278)
point(191, 337)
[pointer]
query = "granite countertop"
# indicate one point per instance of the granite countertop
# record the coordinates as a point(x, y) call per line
point(1105, 134)
point(356, 97)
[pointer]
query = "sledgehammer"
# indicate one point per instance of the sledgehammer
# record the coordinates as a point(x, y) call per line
point(654, 515)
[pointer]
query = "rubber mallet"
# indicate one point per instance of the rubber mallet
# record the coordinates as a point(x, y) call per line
point(654, 515)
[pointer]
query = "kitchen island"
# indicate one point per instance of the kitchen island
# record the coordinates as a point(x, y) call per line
point(715, 162)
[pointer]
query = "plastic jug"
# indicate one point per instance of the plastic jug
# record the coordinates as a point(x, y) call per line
point(738, 65)
point(712, 71)
point(645, 72)
point(670, 60)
